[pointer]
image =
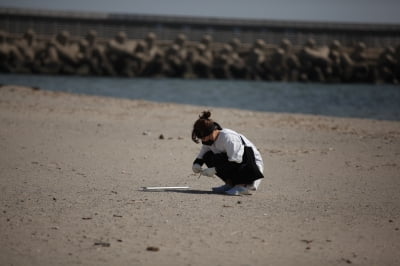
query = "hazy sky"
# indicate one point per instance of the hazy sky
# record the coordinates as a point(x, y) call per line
point(372, 11)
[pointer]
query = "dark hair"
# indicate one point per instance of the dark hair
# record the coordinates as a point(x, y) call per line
point(204, 126)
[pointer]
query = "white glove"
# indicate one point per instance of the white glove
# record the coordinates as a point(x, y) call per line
point(209, 172)
point(196, 168)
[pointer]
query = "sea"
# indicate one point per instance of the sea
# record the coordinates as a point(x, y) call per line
point(370, 101)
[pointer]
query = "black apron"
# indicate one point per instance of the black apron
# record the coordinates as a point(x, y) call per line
point(245, 172)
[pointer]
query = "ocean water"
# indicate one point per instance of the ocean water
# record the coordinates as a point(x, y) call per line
point(371, 101)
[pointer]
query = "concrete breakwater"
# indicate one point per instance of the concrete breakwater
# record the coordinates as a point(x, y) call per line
point(209, 56)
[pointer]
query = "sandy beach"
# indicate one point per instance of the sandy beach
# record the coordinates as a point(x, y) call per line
point(72, 168)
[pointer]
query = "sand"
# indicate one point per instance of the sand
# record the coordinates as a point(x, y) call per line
point(72, 168)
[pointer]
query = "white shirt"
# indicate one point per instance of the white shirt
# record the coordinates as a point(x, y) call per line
point(229, 142)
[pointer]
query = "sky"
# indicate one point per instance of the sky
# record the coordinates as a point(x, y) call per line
point(353, 11)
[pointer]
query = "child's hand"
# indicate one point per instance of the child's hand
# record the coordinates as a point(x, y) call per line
point(196, 168)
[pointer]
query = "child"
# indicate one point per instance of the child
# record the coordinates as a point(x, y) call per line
point(227, 154)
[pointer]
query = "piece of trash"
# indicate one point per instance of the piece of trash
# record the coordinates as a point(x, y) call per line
point(347, 261)
point(102, 244)
point(152, 248)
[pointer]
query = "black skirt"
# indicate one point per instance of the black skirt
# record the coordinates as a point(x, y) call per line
point(245, 172)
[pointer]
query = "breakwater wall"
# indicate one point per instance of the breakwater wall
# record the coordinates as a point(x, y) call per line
point(49, 23)
point(50, 42)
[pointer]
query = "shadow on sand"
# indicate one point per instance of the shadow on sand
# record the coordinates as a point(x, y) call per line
point(186, 191)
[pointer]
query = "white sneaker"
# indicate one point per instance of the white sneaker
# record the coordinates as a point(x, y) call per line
point(238, 190)
point(255, 185)
point(222, 188)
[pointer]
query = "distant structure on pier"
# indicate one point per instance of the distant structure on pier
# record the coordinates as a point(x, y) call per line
point(49, 23)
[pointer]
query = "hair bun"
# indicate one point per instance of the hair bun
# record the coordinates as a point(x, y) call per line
point(205, 115)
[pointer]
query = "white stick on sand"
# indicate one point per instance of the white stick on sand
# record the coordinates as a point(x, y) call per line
point(160, 188)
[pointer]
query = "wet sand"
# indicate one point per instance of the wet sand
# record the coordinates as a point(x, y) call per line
point(72, 168)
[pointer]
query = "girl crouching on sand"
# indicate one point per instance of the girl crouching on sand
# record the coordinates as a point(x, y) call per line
point(227, 154)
